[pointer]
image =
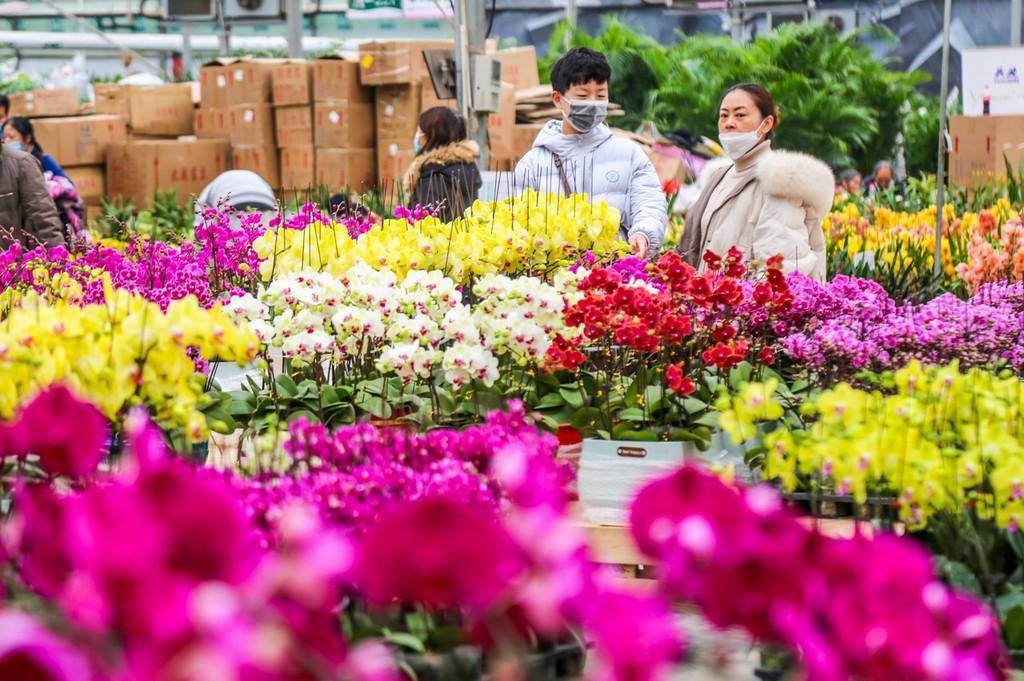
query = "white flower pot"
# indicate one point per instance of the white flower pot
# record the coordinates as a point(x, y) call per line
point(613, 471)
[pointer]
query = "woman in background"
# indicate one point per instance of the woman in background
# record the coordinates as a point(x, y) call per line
point(765, 202)
point(20, 134)
point(444, 176)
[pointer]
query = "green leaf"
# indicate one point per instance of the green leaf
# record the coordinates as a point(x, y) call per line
point(1013, 628)
point(551, 401)
point(303, 413)
point(957, 575)
point(220, 421)
point(286, 386)
point(622, 431)
point(710, 420)
point(1009, 601)
point(693, 405)
point(586, 418)
point(405, 640)
point(572, 396)
point(632, 414)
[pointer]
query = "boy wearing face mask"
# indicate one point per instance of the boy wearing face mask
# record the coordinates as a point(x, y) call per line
point(580, 155)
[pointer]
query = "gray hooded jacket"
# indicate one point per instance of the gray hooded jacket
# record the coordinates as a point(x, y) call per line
point(605, 167)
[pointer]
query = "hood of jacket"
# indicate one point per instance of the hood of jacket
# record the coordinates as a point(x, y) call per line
point(799, 178)
point(466, 151)
point(554, 140)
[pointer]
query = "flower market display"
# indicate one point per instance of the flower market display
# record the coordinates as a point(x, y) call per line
point(406, 394)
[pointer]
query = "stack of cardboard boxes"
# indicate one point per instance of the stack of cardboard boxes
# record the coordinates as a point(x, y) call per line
point(343, 128)
point(398, 72)
point(160, 152)
point(78, 143)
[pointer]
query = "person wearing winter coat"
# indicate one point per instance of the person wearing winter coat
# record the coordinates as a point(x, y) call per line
point(580, 155)
point(444, 176)
point(27, 213)
point(763, 202)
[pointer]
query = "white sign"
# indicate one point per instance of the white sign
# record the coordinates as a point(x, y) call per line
point(1001, 69)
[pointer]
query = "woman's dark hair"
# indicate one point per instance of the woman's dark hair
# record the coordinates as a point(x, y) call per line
point(762, 100)
point(441, 126)
point(26, 129)
point(579, 66)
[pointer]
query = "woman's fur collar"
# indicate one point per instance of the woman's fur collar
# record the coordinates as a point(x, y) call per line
point(798, 177)
point(466, 151)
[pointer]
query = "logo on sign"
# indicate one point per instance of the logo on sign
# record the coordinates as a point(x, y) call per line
point(1006, 75)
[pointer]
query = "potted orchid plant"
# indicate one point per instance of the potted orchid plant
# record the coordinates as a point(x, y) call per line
point(643, 354)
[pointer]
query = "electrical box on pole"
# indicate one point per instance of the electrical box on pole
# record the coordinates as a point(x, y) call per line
point(486, 83)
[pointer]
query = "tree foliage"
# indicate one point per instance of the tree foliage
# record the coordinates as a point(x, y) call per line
point(837, 100)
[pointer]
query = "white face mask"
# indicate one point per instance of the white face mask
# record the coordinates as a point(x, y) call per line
point(586, 114)
point(737, 144)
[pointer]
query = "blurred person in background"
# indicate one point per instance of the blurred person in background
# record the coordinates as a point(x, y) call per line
point(579, 154)
point(20, 134)
point(443, 176)
point(849, 183)
point(5, 110)
point(882, 179)
point(765, 203)
point(27, 213)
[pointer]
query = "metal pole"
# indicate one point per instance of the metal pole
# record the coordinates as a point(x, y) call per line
point(293, 17)
point(940, 170)
point(469, 40)
point(186, 49)
point(224, 37)
point(571, 17)
point(107, 39)
point(1015, 20)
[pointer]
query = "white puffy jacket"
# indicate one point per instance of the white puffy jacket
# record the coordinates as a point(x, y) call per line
point(605, 167)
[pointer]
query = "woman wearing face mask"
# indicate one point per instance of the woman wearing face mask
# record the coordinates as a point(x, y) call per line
point(20, 134)
point(763, 202)
point(443, 176)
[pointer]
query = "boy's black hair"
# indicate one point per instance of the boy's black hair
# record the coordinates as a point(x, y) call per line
point(579, 66)
point(5, 102)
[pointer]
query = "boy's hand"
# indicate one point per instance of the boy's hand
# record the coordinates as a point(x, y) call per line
point(639, 243)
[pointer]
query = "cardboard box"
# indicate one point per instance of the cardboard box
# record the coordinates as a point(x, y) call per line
point(393, 160)
point(252, 125)
point(250, 81)
point(136, 169)
point(294, 125)
point(338, 78)
point(161, 109)
point(501, 125)
point(980, 144)
point(398, 110)
point(292, 83)
point(91, 183)
point(213, 84)
point(212, 123)
point(298, 169)
point(396, 61)
point(343, 125)
point(346, 169)
point(519, 67)
point(80, 140)
point(45, 103)
point(261, 160)
point(111, 99)
point(523, 138)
